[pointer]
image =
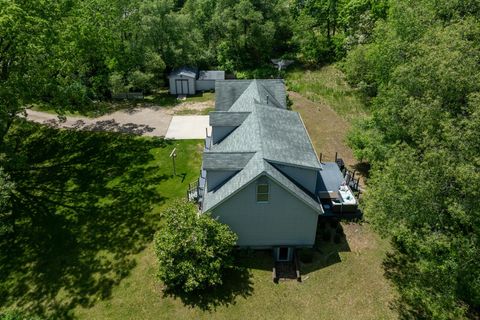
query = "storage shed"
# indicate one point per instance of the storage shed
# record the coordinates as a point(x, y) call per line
point(182, 81)
point(186, 80)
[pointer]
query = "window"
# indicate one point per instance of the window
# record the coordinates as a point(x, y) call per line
point(262, 192)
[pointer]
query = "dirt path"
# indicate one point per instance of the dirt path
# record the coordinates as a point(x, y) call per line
point(325, 127)
point(147, 121)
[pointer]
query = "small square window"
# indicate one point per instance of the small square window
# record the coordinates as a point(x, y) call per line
point(262, 193)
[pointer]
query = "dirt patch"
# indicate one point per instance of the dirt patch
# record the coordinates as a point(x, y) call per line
point(193, 108)
point(359, 237)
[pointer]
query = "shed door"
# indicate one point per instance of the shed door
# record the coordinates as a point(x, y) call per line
point(181, 86)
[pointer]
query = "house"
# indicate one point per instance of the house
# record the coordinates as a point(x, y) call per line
point(260, 173)
point(188, 81)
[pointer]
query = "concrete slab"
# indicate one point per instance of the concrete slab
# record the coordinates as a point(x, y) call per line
point(188, 127)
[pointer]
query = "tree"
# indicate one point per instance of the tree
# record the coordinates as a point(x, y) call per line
point(22, 56)
point(193, 250)
point(6, 190)
point(422, 140)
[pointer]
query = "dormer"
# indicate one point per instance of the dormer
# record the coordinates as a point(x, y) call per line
point(221, 166)
point(304, 177)
point(223, 123)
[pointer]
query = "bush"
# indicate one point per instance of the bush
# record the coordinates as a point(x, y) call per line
point(193, 250)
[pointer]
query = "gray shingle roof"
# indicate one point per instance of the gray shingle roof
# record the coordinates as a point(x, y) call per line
point(266, 133)
point(226, 160)
point(227, 119)
point(228, 91)
point(284, 138)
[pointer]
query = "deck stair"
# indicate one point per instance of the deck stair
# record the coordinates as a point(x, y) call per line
point(287, 270)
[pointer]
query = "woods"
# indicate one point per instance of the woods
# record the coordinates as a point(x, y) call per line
point(422, 73)
point(416, 64)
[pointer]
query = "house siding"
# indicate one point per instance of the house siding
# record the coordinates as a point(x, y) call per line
point(305, 177)
point(283, 221)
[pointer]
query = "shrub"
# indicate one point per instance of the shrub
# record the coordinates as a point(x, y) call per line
point(193, 250)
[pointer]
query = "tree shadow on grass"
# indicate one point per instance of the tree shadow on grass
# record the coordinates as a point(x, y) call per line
point(237, 283)
point(82, 207)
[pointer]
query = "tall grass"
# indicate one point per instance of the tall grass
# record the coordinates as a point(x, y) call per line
point(327, 85)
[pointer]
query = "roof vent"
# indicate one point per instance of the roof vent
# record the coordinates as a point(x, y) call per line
point(267, 98)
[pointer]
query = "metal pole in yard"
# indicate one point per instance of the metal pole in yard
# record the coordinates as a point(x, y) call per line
point(173, 155)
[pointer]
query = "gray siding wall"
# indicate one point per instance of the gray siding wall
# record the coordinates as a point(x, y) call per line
point(218, 133)
point(216, 177)
point(305, 177)
point(283, 221)
point(191, 84)
point(205, 85)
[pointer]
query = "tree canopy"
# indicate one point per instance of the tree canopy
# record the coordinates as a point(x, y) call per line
point(422, 73)
point(193, 250)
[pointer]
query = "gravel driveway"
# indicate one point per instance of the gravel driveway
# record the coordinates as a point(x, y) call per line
point(146, 121)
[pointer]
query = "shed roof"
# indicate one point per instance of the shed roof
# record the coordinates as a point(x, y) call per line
point(184, 71)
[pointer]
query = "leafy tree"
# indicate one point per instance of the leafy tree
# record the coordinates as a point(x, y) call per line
point(6, 189)
point(422, 138)
point(22, 56)
point(193, 250)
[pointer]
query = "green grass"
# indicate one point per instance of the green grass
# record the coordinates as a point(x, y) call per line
point(194, 112)
point(164, 99)
point(327, 86)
